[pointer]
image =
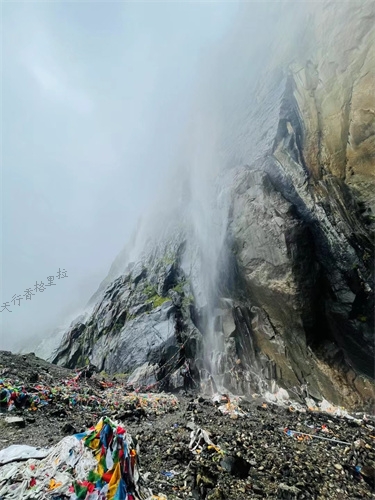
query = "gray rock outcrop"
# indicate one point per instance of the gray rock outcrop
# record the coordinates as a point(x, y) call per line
point(295, 300)
point(141, 321)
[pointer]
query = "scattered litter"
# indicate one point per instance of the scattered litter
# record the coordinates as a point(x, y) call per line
point(303, 436)
point(311, 405)
point(326, 407)
point(220, 398)
point(359, 443)
point(231, 408)
point(168, 473)
point(197, 439)
point(83, 393)
point(280, 396)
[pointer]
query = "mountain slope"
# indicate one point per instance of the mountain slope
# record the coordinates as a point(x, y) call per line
point(287, 298)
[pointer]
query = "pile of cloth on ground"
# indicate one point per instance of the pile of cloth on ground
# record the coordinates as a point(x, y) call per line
point(99, 464)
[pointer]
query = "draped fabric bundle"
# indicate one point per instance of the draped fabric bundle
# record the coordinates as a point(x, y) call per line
point(116, 475)
point(99, 464)
point(48, 478)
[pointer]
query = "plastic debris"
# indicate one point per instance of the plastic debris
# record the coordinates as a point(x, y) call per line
point(279, 396)
point(15, 421)
point(168, 473)
point(199, 437)
point(32, 479)
point(302, 436)
point(311, 405)
point(232, 408)
point(359, 443)
point(229, 405)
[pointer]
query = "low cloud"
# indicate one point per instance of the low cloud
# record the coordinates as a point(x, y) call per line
point(55, 86)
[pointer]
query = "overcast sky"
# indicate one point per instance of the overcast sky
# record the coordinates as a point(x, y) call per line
point(95, 98)
point(102, 105)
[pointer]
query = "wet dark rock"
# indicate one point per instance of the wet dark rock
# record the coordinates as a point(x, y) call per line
point(60, 412)
point(68, 429)
point(236, 466)
point(137, 325)
point(196, 494)
point(139, 413)
point(287, 492)
point(368, 474)
point(34, 377)
point(258, 489)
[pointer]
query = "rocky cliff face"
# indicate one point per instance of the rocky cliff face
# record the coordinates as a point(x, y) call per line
point(295, 301)
point(142, 320)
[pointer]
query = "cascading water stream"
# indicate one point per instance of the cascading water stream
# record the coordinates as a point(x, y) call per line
point(209, 218)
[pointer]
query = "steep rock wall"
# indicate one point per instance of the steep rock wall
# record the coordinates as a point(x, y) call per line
point(302, 217)
point(142, 320)
point(295, 306)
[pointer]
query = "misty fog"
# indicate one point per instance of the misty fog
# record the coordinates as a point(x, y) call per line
point(105, 109)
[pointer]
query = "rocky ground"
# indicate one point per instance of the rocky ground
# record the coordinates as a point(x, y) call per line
point(242, 455)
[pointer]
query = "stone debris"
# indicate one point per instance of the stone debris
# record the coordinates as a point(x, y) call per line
point(188, 448)
point(16, 421)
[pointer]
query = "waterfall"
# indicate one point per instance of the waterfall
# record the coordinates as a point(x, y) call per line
point(207, 219)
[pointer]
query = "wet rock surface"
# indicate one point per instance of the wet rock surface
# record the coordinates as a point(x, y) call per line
point(295, 280)
point(301, 217)
point(143, 320)
point(249, 457)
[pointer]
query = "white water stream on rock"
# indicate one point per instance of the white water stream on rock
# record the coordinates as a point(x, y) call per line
point(207, 210)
